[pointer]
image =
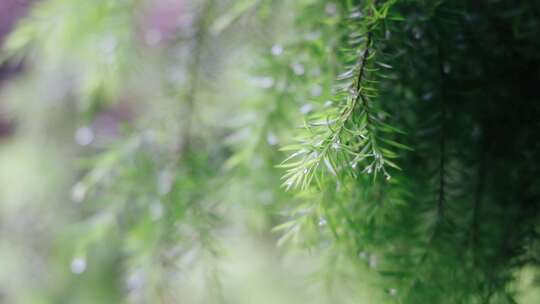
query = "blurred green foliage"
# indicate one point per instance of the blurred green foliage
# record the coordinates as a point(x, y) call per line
point(259, 151)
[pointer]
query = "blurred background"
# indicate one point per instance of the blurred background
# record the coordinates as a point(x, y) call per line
point(116, 118)
point(138, 149)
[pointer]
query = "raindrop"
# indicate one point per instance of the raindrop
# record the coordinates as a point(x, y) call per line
point(356, 14)
point(165, 179)
point(306, 108)
point(322, 222)
point(354, 165)
point(272, 139)
point(427, 96)
point(316, 90)
point(263, 82)
point(387, 34)
point(156, 210)
point(78, 192)
point(392, 292)
point(277, 49)
point(373, 261)
point(476, 131)
point(306, 171)
point(135, 281)
point(84, 136)
point(108, 44)
point(447, 68)
point(335, 145)
point(298, 69)
point(330, 9)
point(417, 32)
point(328, 103)
point(78, 265)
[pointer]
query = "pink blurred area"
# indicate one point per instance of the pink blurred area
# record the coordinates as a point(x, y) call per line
point(160, 23)
point(163, 19)
point(10, 12)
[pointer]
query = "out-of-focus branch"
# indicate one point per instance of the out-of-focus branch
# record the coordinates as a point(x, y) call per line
point(194, 68)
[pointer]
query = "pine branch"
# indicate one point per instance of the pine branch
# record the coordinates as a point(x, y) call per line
point(441, 196)
point(478, 197)
point(194, 69)
point(441, 201)
point(342, 137)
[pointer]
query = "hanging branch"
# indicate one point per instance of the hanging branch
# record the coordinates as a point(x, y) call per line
point(478, 197)
point(441, 200)
point(193, 72)
point(441, 195)
point(342, 137)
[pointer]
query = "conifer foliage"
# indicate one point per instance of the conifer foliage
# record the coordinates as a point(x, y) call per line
point(388, 147)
